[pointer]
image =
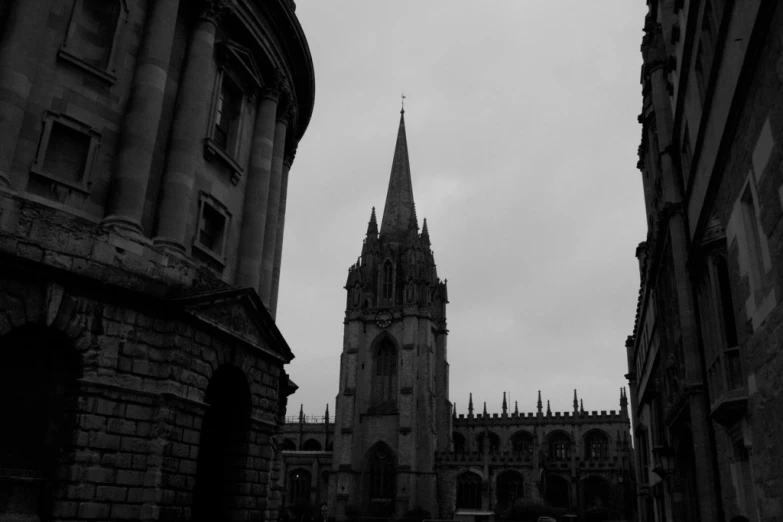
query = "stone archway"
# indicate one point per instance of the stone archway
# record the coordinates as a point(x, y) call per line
point(223, 450)
point(39, 372)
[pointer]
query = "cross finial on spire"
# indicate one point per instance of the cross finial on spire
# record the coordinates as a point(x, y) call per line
point(402, 97)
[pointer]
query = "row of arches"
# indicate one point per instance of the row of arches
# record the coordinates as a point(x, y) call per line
point(40, 397)
point(558, 444)
point(308, 445)
point(595, 491)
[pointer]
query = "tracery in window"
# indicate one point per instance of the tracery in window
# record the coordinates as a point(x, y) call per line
point(385, 373)
point(380, 474)
point(469, 491)
point(388, 280)
point(596, 445)
point(559, 446)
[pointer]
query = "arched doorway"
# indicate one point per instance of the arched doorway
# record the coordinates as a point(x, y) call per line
point(223, 450)
point(380, 480)
point(39, 372)
point(299, 481)
point(558, 491)
point(509, 487)
point(596, 498)
point(469, 490)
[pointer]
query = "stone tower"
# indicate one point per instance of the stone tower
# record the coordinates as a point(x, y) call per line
point(393, 409)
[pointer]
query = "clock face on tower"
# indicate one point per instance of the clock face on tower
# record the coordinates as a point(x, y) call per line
point(383, 318)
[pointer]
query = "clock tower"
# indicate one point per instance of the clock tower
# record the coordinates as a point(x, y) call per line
point(393, 410)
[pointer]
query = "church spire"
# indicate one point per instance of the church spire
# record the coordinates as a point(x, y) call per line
point(470, 405)
point(538, 404)
point(372, 226)
point(425, 233)
point(576, 403)
point(399, 214)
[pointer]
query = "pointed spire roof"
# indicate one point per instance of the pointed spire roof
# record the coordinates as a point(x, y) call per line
point(581, 405)
point(425, 232)
point(576, 403)
point(548, 409)
point(470, 405)
point(516, 408)
point(505, 407)
point(399, 214)
point(538, 404)
point(372, 226)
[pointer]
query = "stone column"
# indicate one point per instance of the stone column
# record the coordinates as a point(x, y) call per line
point(287, 162)
point(272, 209)
point(251, 242)
point(20, 48)
point(140, 129)
point(188, 131)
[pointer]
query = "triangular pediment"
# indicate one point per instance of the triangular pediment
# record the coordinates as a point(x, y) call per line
point(241, 315)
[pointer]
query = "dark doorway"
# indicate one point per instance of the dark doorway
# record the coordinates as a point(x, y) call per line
point(223, 450)
point(557, 491)
point(38, 398)
point(469, 491)
point(509, 487)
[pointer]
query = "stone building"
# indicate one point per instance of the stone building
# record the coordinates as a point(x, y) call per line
point(704, 360)
point(145, 149)
point(397, 443)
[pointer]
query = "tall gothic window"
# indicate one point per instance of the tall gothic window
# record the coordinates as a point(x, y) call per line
point(522, 443)
point(385, 374)
point(388, 280)
point(559, 446)
point(596, 445)
point(380, 474)
point(469, 491)
point(494, 442)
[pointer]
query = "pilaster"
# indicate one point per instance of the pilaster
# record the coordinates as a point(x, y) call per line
point(140, 129)
point(187, 132)
point(251, 243)
point(288, 160)
point(272, 209)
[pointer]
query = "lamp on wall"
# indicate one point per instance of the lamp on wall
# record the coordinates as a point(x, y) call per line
point(664, 461)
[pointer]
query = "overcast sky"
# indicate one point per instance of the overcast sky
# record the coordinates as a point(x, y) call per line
point(522, 135)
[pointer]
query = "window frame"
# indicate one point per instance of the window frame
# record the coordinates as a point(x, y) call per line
point(237, 65)
point(37, 168)
point(67, 54)
point(204, 200)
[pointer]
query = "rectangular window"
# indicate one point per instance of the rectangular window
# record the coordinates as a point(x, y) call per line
point(753, 240)
point(227, 116)
point(65, 153)
point(93, 35)
point(213, 225)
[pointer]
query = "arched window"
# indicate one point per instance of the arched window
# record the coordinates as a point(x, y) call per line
point(289, 445)
point(522, 443)
point(509, 487)
point(380, 475)
point(596, 445)
point(459, 442)
point(469, 491)
point(494, 442)
point(387, 283)
point(559, 446)
point(299, 487)
point(311, 445)
point(385, 374)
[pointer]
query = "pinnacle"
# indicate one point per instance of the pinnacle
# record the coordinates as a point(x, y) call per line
point(372, 226)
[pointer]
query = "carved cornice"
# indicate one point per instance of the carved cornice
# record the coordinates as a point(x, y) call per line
point(274, 87)
point(214, 10)
point(288, 157)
